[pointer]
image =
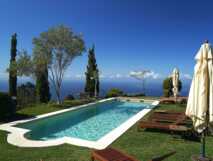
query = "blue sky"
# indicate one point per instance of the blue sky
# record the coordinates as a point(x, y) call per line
point(128, 34)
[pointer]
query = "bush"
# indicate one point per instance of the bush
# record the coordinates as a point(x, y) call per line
point(26, 95)
point(84, 95)
point(114, 92)
point(7, 106)
point(71, 103)
point(183, 101)
point(69, 97)
point(166, 93)
point(168, 86)
point(135, 95)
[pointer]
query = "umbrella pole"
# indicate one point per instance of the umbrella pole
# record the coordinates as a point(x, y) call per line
point(202, 156)
point(203, 145)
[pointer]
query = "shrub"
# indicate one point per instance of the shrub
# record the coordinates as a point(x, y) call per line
point(135, 95)
point(71, 103)
point(183, 101)
point(168, 86)
point(7, 106)
point(69, 97)
point(26, 95)
point(166, 93)
point(114, 92)
point(84, 95)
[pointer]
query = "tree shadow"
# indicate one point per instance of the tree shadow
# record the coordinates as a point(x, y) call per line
point(17, 117)
point(188, 136)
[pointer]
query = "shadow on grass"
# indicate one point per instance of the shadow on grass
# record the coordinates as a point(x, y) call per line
point(188, 136)
point(17, 117)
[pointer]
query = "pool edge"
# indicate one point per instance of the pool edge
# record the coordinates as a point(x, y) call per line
point(16, 135)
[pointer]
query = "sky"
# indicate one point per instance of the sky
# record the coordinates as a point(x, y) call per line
point(129, 35)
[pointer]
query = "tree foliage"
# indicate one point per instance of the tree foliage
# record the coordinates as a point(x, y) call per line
point(114, 92)
point(25, 66)
point(26, 94)
point(92, 74)
point(56, 49)
point(42, 86)
point(168, 86)
point(69, 97)
point(12, 73)
point(7, 106)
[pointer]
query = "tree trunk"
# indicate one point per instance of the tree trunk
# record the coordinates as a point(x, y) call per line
point(58, 94)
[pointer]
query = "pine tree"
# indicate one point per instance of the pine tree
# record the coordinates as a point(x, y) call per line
point(92, 75)
point(42, 86)
point(12, 74)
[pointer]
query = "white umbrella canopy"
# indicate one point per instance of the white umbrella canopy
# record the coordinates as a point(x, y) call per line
point(175, 81)
point(200, 100)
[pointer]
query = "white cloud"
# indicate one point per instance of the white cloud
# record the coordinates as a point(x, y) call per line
point(102, 76)
point(67, 76)
point(187, 76)
point(144, 74)
point(79, 76)
point(152, 75)
point(111, 76)
point(118, 76)
point(127, 76)
point(115, 76)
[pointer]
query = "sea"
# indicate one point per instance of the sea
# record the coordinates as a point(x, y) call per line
point(75, 87)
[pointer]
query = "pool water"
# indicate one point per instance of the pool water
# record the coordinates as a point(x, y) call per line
point(90, 123)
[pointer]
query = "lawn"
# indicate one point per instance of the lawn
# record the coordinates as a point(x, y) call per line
point(142, 145)
point(38, 109)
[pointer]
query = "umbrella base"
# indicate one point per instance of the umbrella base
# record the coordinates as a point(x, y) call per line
point(199, 158)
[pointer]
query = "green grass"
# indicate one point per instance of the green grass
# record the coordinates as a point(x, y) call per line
point(142, 145)
point(144, 97)
point(38, 109)
point(51, 107)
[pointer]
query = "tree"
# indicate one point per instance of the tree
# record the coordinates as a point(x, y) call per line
point(25, 66)
point(26, 94)
point(56, 49)
point(12, 73)
point(7, 106)
point(42, 86)
point(92, 75)
point(168, 86)
point(41, 74)
point(114, 92)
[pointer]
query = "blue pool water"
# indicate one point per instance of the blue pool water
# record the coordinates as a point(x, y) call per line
point(89, 123)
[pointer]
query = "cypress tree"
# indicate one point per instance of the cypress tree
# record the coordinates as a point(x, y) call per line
point(92, 74)
point(12, 74)
point(42, 86)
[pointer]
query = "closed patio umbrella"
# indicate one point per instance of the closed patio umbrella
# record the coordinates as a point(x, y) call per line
point(175, 81)
point(200, 101)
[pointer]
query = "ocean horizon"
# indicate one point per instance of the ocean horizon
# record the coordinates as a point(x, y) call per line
point(75, 87)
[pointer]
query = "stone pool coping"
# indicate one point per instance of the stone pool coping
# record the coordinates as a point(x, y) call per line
point(16, 134)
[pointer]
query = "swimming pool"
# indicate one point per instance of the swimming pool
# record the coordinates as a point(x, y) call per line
point(87, 125)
